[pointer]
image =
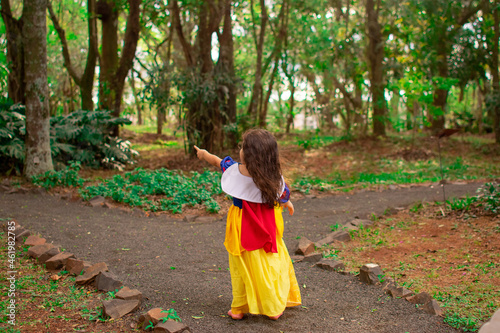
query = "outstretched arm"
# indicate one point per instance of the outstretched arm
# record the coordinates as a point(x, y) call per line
point(206, 156)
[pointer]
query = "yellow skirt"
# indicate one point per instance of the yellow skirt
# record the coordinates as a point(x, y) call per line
point(263, 283)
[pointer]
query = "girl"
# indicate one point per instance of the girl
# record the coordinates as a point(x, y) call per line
point(262, 275)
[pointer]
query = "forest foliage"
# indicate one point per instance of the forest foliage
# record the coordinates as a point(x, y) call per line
point(213, 68)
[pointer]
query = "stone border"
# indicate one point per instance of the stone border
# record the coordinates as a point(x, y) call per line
point(126, 300)
point(372, 274)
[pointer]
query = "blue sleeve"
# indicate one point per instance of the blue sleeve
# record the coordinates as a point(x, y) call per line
point(226, 163)
point(286, 194)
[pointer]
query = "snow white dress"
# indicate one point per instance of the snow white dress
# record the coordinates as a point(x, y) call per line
point(262, 275)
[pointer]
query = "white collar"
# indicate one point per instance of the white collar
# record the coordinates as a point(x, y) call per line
point(240, 186)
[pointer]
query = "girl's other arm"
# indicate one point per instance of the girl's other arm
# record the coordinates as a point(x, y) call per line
point(288, 205)
point(206, 156)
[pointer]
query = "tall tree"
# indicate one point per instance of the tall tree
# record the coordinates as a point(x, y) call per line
point(443, 20)
point(253, 108)
point(38, 155)
point(495, 108)
point(114, 70)
point(375, 60)
point(225, 70)
point(204, 118)
point(15, 53)
point(85, 81)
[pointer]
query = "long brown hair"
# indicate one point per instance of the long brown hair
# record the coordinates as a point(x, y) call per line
point(261, 158)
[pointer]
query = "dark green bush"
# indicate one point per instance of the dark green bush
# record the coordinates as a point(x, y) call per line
point(84, 136)
point(81, 136)
point(12, 132)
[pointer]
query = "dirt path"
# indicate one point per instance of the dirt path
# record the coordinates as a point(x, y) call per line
point(181, 265)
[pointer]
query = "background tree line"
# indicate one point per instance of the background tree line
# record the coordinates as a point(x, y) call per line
point(216, 67)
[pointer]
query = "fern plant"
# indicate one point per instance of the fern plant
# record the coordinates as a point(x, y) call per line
point(84, 136)
point(12, 133)
point(81, 136)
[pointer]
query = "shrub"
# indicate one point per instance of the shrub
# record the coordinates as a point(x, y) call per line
point(84, 136)
point(81, 136)
point(12, 132)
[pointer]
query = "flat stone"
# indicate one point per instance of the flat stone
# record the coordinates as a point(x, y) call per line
point(331, 265)
point(66, 196)
point(96, 201)
point(388, 284)
point(34, 240)
point(340, 236)
point(493, 325)
point(171, 326)
point(152, 317)
point(297, 258)
point(90, 273)
point(304, 247)
point(190, 218)
point(38, 190)
point(19, 231)
point(76, 266)
point(49, 254)
point(23, 236)
point(127, 294)
point(433, 308)
point(370, 273)
point(117, 308)
point(107, 205)
point(205, 219)
point(400, 292)
point(421, 298)
point(59, 260)
point(358, 223)
point(313, 257)
point(37, 250)
point(107, 281)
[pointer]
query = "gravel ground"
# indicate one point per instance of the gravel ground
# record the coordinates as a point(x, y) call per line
point(181, 265)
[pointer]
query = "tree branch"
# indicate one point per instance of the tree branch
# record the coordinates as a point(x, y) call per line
point(131, 37)
point(65, 50)
point(186, 47)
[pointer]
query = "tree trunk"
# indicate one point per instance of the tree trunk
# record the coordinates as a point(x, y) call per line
point(279, 39)
point(495, 75)
point(440, 94)
point(114, 71)
point(203, 121)
point(87, 81)
point(108, 14)
point(38, 155)
point(257, 86)
point(84, 81)
point(138, 105)
point(375, 59)
point(263, 111)
point(289, 120)
point(225, 66)
point(15, 54)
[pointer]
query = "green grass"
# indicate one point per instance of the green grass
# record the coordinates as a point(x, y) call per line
point(395, 172)
point(468, 306)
